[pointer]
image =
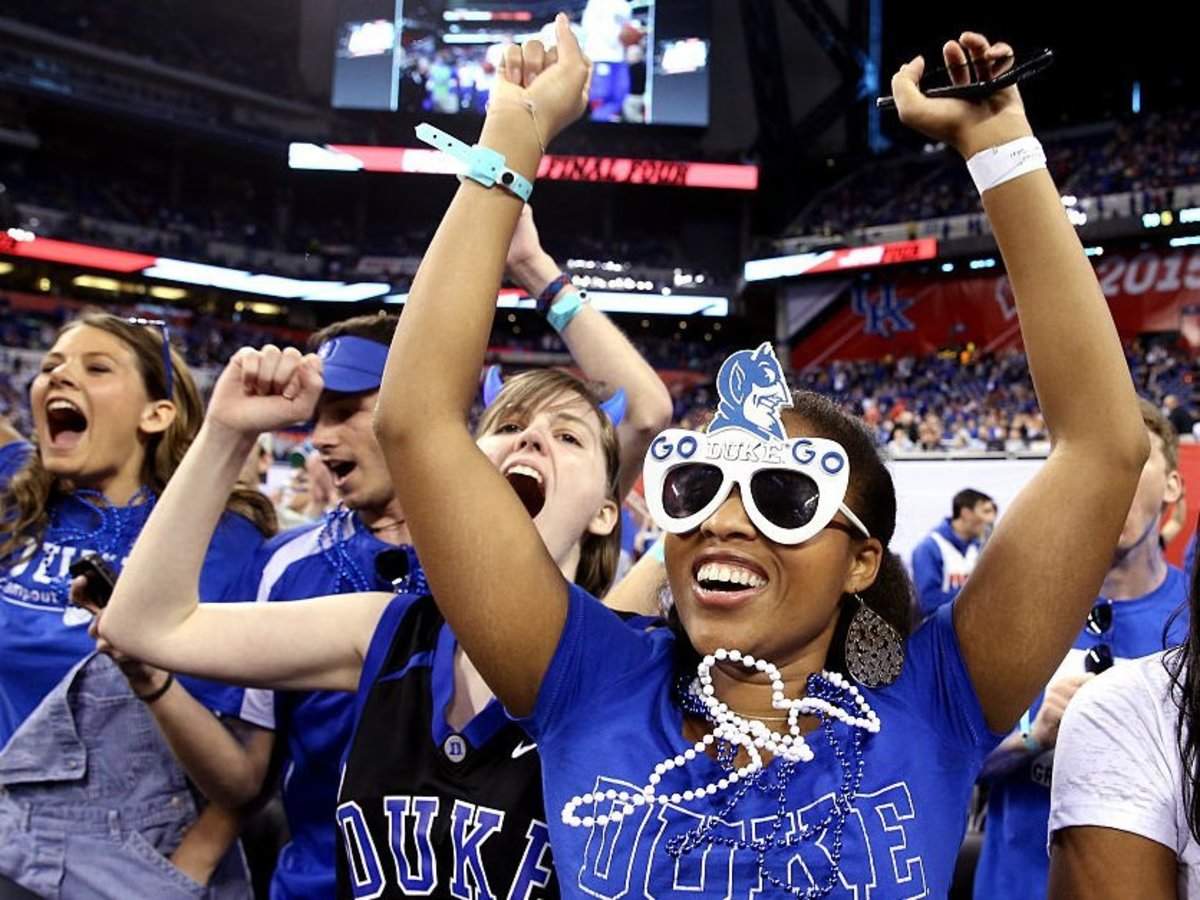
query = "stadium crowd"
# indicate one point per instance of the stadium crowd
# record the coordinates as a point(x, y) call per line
point(1147, 155)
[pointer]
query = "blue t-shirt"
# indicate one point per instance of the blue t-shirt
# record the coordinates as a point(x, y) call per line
point(12, 457)
point(605, 716)
point(314, 727)
point(1013, 862)
point(42, 635)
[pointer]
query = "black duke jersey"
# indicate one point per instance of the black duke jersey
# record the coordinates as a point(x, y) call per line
point(424, 810)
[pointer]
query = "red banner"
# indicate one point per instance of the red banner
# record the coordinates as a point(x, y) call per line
point(73, 254)
point(1157, 290)
point(597, 169)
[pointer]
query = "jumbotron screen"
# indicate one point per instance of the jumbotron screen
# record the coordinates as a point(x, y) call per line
point(650, 57)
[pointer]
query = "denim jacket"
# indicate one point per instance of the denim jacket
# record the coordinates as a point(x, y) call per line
point(92, 801)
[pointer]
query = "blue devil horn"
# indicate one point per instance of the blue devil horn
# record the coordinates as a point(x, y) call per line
point(614, 407)
point(491, 386)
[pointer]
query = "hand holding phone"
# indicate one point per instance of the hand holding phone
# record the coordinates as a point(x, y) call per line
point(1003, 72)
point(99, 575)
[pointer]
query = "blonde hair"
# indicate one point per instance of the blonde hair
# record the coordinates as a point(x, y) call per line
point(598, 553)
point(26, 501)
point(1157, 423)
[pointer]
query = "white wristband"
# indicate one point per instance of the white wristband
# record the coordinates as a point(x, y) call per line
point(992, 167)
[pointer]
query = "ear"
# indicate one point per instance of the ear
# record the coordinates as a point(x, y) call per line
point(605, 519)
point(737, 377)
point(864, 566)
point(1174, 488)
point(157, 416)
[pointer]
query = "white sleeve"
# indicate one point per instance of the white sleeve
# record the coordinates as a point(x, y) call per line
point(1117, 764)
point(258, 707)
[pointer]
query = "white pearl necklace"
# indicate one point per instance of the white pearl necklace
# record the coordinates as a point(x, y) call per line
point(737, 730)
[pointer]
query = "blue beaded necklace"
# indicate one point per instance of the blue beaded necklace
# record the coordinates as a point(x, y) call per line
point(851, 764)
point(332, 540)
point(336, 529)
point(115, 530)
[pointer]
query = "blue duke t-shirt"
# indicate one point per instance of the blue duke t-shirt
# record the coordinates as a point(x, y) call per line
point(1013, 864)
point(605, 717)
point(42, 635)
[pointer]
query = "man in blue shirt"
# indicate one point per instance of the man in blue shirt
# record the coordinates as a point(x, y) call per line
point(360, 546)
point(944, 560)
point(1132, 617)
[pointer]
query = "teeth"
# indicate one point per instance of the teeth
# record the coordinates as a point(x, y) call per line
point(525, 470)
point(62, 404)
point(729, 574)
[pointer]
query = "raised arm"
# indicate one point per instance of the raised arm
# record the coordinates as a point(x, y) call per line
point(226, 760)
point(489, 571)
point(1107, 864)
point(155, 614)
point(1030, 593)
point(601, 350)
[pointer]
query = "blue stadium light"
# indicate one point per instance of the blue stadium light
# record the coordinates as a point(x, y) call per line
point(1135, 100)
point(1094, 251)
point(985, 263)
point(1151, 220)
point(1189, 215)
point(1191, 241)
point(947, 267)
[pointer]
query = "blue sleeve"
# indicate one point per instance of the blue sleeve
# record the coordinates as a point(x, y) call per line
point(927, 577)
point(936, 684)
point(1178, 625)
point(596, 650)
point(232, 551)
point(12, 456)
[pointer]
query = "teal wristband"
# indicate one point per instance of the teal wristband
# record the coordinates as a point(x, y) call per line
point(565, 309)
point(1032, 744)
point(484, 165)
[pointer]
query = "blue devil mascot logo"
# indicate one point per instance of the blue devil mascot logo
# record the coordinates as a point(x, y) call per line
point(752, 391)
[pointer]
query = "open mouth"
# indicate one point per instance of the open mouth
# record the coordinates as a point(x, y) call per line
point(728, 577)
point(340, 470)
point(66, 423)
point(530, 488)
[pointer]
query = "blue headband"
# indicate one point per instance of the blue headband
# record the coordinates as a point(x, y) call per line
point(352, 365)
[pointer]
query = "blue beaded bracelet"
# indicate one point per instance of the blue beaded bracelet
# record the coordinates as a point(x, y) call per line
point(546, 298)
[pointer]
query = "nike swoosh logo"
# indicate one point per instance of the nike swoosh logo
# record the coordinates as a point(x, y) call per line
point(522, 748)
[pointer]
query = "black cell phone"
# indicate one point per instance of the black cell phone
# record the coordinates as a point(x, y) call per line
point(100, 577)
point(978, 88)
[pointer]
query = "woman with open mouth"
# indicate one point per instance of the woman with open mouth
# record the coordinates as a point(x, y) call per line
point(788, 736)
point(92, 800)
point(440, 794)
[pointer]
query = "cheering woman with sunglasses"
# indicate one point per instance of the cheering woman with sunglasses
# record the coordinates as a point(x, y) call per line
point(786, 735)
point(92, 799)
